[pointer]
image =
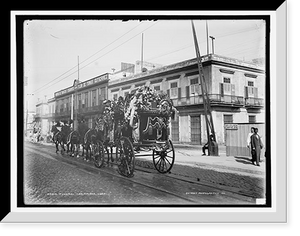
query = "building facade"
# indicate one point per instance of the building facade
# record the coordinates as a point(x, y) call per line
point(236, 90)
point(81, 100)
point(41, 117)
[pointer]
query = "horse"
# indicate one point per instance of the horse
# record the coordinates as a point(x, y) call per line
point(65, 131)
point(57, 137)
point(91, 136)
point(73, 140)
point(82, 129)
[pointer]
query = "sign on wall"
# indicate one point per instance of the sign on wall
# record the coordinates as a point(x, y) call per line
point(231, 126)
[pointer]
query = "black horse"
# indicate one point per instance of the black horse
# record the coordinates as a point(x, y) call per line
point(65, 131)
point(73, 140)
point(57, 137)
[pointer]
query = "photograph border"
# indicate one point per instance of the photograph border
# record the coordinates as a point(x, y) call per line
point(168, 209)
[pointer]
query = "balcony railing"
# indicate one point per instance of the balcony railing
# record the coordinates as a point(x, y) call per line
point(88, 109)
point(226, 99)
point(214, 99)
point(254, 102)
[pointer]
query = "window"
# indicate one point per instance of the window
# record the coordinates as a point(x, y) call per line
point(228, 119)
point(156, 87)
point(174, 90)
point(83, 100)
point(125, 92)
point(67, 104)
point(101, 95)
point(226, 80)
point(115, 96)
point(227, 86)
point(251, 83)
point(194, 86)
point(227, 89)
point(79, 102)
point(252, 119)
point(86, 97)
point(94, 98)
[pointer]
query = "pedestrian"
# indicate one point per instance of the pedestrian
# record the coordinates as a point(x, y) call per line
point(256, 146)
point(249, 141)
point(249, 137)
point(207, 144)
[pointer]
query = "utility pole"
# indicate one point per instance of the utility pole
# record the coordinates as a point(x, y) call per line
point(75, 122)
point(207, 43)
point(212, 42)
point(212, 144)
point(142, 56)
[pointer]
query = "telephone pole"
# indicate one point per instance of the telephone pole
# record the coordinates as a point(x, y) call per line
point(142, 56)
point(212, 144)
point(75, 122)
point(212, 44)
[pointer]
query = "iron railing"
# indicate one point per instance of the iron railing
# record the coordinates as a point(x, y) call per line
point(214, 99)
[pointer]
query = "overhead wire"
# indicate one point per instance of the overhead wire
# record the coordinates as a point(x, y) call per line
point(101, 55)
point(43, 87)
point(177, 50)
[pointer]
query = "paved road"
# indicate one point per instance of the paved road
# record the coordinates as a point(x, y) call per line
point(51, 178)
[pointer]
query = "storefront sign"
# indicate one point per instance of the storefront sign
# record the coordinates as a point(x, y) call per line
point(231, 126)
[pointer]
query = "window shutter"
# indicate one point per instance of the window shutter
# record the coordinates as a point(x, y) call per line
point(246, 92)
point(255, 92)
point(179, 93)
point(168, 92)
point(187, 91)
point(222, 89)
point(232, 90)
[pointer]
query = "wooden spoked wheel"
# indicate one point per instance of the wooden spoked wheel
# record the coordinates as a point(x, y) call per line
point(98, 153)
point(164, 157)
point(125, 157)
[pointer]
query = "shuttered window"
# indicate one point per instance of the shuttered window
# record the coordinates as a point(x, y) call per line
point(194, 86)
point(173, 90)
point(251, 91)
point(196, 129)
point(175, 130)
point(228, 119)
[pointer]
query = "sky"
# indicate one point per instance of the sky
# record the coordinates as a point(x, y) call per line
point(52, 48)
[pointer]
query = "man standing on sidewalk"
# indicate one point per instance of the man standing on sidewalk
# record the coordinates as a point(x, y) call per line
point(256, 146)
point(249, 142)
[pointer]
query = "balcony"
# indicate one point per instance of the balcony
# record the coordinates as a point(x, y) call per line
point(215, 99)
point(61, 114)
point(226, 99)
point(254, 102)
point(88, 109)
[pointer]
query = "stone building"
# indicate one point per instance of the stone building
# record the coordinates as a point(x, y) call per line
point(236, 90)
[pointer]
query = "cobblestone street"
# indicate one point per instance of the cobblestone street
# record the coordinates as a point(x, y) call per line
point(55, 179)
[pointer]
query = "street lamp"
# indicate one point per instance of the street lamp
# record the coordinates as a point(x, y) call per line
point(212, 40)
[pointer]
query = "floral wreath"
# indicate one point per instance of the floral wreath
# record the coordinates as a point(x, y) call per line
point(144, 99)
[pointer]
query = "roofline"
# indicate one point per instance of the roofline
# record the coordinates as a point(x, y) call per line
point(206, 60)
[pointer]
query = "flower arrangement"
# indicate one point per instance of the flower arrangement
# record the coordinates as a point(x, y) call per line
point(144, 99)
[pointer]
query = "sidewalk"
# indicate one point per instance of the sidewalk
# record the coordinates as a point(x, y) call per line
point(191, 155)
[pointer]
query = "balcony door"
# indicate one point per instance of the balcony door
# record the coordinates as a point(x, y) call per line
point(196, 129)
point(227, 90)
